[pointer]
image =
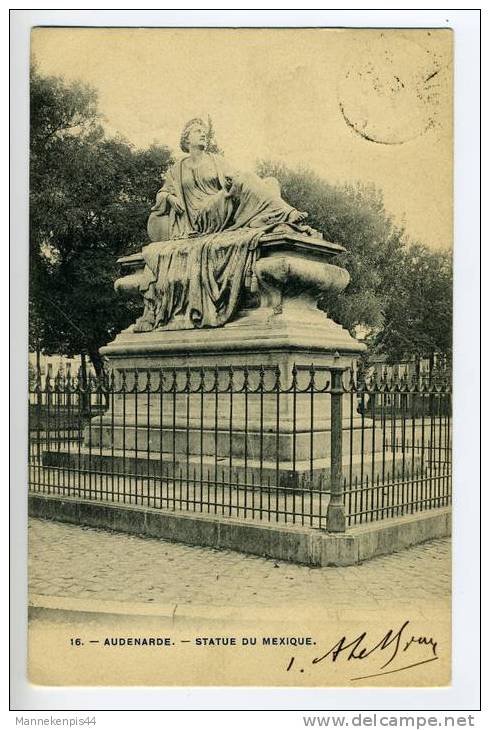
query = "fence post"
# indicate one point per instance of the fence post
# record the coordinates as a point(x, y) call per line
point(336, 508)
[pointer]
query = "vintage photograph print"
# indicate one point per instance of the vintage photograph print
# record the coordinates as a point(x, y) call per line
point(240, 392)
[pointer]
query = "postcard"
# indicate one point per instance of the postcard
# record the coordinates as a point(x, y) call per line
point(240, 367)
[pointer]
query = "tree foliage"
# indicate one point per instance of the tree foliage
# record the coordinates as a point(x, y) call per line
point(212, 145)
point(354, 216)
point(89, 201)
point(399, 292)
point(418, 314)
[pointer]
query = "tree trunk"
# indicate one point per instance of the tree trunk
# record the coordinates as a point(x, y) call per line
point(97, 361)
point(432, 358)
point(84, 394)
point(417, 367)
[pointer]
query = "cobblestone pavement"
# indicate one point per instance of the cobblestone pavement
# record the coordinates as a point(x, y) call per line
point(86, 563)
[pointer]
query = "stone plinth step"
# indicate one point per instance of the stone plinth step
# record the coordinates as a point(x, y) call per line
point(306, 473)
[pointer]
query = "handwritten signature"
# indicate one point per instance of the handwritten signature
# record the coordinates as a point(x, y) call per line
point(394, 643)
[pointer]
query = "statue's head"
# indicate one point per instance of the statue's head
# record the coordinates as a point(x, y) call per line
point(195, 132)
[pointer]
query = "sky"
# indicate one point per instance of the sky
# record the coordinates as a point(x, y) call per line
point(368, 105)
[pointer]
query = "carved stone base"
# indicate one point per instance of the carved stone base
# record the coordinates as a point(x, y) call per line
point(291, 272)
point(258, 333)
point(192, 425)
point(275, 433)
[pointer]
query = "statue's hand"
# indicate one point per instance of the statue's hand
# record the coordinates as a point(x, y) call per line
point(227, 186)
point(232, 186)
point(160, 203)
point(174, 202)
point(297, 216)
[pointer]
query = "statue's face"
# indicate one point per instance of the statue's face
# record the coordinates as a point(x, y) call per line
point(197, 136)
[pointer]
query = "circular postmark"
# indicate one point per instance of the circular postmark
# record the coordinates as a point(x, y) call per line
point(391, 88)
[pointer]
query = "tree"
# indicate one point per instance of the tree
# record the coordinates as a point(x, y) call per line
point(89, 201)
point(418, 315)
point(212, 146)
point(401, 292)
point(354, 216)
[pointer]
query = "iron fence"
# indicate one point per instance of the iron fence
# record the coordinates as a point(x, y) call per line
point(301, 444)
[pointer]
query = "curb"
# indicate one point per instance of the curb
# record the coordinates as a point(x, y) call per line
point(258, 615)
point(290, 543)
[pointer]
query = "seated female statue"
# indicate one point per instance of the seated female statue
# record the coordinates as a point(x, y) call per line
point(203, 194)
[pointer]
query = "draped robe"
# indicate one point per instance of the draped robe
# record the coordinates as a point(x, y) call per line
point(195, 278)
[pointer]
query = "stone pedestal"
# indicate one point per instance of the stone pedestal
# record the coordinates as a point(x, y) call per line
point(282, 431)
